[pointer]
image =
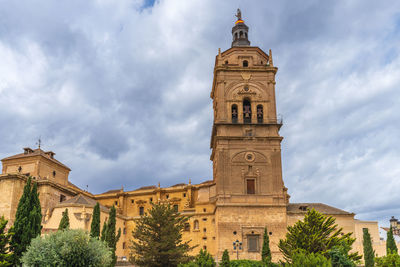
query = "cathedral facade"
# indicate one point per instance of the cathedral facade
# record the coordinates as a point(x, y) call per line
point(246, 194)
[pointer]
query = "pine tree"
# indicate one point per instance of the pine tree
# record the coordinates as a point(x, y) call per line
point(158, 238)
point(64, 222)
point(27, 224)
point(266, 251)
point(110, 237)
point(5, 255)
point(317, 233)
point(225, 259)
point(95, 226)
point(368, 251)
point(391, 247)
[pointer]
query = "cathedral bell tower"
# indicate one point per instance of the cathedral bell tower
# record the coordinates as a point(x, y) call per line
point(245, 143)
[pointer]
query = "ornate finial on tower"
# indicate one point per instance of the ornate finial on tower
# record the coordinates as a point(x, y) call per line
point(39, 142)
point(240, 31)
point(239, 14)
point(158, 184)
point(190, 181)
point(271, 62)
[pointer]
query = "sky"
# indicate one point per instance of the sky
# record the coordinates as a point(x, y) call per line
point(120, 91)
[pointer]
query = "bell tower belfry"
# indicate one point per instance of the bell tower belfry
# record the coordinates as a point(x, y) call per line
point(246, 145)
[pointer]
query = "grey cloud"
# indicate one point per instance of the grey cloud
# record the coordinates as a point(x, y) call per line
point(120, 91)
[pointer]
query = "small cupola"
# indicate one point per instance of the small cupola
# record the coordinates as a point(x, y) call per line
point(240, 32)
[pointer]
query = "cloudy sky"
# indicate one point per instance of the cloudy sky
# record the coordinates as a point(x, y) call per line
point(119, 90)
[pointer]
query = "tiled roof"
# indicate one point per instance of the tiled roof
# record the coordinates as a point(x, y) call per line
point(80, 199)
point(37, 152)
point(112, 191)
point(320, 207)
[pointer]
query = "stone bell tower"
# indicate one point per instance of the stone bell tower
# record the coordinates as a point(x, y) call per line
point(246, 152)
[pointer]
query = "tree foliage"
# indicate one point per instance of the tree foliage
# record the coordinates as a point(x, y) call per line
point(27, 224)
point(317, 233)
point(64, 222)
point(204, 259)
point(95, 226)
point(266, 251)
point(104, 231)
point(67, 248)
point(303, 258)
point(368, 251)
point(5, 255)
point(158, 238)
point(339, 257)
point(390, 260)
point(391, 247)
point(225, 259)
point(110, 237)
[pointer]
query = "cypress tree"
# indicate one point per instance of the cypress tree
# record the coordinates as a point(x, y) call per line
point(5, 255)
point(104, 231)
point(391, 247)
point(369, 258)
point(64, 223)
point(27, 224)
point(266, 251)
point(110, 237)
point(225, 259)
point(95, 226)
point(35, 217)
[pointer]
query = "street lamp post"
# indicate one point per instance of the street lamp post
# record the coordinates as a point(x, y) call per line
point(236, 247)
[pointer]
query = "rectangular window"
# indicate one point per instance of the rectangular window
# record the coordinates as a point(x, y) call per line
point(123, 245)
point(141, 211)
point(251, 187)
point(176, 208)
point(252, 243)
point(62, 198)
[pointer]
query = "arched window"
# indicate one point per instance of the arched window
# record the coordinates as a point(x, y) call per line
point(240, 34)
point(234, 114)
point(245, 63)
point(236, 36)
point(260, 114)
point(246, 111)
point(196, 225)
point(245, 34)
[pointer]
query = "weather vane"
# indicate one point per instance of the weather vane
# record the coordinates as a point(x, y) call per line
point(39, 142)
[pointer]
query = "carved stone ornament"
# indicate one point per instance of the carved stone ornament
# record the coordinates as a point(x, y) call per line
point(249, 157)
point(246, 76)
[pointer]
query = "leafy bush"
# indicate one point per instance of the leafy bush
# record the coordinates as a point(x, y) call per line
point(67, 248)
point(203, 259)
point(246, 263)
point(339, 257)
point(303, 259)
point(390, 260)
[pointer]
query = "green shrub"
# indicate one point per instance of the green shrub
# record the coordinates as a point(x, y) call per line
point(225, 259)
point(67, 248)
point(304, 259)
point(390, 260)
point(246, 263)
